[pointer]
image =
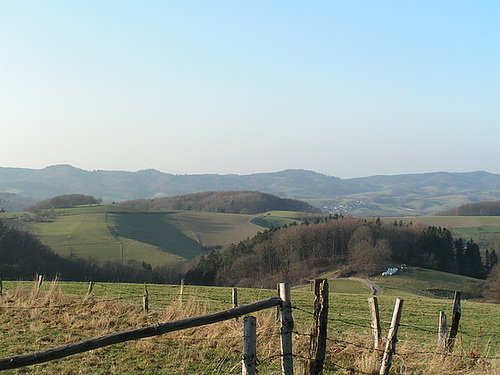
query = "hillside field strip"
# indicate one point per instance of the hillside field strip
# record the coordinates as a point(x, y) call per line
point(92, 232)
point(107, 233)
point(218, 229)
point(217, 348)
point(479, 228)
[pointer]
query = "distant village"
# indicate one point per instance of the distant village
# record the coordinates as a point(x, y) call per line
point(345, 207)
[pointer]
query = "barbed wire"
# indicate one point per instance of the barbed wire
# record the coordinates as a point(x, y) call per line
point(346, 343)
point(262, 336)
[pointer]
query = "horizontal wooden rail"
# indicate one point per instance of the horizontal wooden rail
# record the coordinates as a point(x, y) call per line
point(134, 334)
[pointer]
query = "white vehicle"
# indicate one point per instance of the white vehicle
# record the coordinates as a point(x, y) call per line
point(390, 271)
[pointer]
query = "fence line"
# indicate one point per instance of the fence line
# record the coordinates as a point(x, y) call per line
point(134, 334)
point(159, 329)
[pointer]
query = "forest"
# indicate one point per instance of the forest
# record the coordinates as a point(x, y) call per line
point(475, 209)
point(64, 201)
point(236, 202)
point(354, 246)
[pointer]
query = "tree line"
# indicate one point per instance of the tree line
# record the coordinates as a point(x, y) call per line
point(475, 209)
point(297, 252)
point(236, 202)
point(64, 201)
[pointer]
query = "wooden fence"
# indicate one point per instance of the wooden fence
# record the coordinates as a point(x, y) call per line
point(318, 336)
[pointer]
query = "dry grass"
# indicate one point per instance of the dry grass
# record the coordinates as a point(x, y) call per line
point(33, 320)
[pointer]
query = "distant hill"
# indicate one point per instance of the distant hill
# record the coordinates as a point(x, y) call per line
point(475, 209)
point(236, 202)
point(14, 203)
point(400, 195)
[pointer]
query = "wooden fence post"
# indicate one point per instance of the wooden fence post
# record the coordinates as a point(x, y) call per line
point(91, 287)
point(235, 297)
point(249, 346)
point(442, 329)
point(455, 320)
point(319, 330)
point(286, 328)
point(1, 286)
point(39, 284)
point(390, 347)
point(375, 325)
point(145, 300)
point(135, 334)
point(181, 291)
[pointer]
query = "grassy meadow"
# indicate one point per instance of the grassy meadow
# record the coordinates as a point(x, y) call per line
point(107, 233)
point(481, 229)
point(278, 218)
point(61, 313)
point(93, 232)
point(215, 229)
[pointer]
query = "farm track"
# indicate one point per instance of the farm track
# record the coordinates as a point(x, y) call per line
point(376, 290)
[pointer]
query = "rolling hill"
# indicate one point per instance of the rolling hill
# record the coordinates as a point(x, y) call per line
point(400, 195)
point(113, 233)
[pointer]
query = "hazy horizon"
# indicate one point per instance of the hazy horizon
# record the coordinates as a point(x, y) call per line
point(345, 88)
point(239, 174)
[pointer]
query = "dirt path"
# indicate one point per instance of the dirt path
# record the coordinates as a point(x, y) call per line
point(376, 290)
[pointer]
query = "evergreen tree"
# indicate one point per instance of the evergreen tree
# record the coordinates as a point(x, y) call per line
point(490, 260)
point(458, 246)
point(472, 260)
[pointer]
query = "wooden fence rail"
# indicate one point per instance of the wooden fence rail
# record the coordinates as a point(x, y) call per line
point(135, 334)
point(318, 335)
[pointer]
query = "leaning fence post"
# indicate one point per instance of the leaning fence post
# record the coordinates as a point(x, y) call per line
point(390, 347)
point(319, 330)
point(39, 283)
point(249, 345)
point(442, 329)
point(375, 325)
point(455, 319)
point(286, 328)
point(91, 287)
point(145, 300)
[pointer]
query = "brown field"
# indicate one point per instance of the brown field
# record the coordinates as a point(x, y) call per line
point(218, 228)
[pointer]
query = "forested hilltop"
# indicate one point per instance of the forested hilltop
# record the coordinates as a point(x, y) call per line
point(475, 209)
point(354, 246)
point(64, 201)
point(236, 202)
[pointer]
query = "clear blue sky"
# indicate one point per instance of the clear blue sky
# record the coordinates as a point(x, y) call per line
point(345, 88)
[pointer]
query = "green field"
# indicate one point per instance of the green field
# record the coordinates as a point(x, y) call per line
point(482, 229)
point(108, 233)
point(160, 230)
point(217, 349)
point(280, 218)
point(93, 232)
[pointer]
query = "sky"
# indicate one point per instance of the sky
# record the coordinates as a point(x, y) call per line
point(344, 88)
